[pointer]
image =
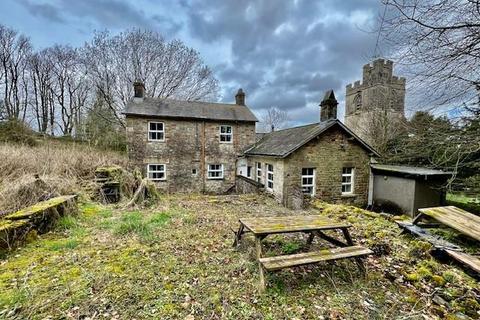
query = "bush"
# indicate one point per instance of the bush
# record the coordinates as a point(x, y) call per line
point(17, 132)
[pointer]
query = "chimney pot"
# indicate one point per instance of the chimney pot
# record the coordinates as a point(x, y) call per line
point(139, 89)
point(240, 97)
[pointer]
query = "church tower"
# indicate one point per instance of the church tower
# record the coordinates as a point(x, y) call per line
point(374, 106)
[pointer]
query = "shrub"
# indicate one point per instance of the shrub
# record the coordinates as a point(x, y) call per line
point(14, 131)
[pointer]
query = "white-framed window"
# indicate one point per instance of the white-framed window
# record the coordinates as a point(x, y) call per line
point(156, 131)
point(348, 175)
point(215, 171)
point(249, 171)
point(226, 133)
point(259, 172)
point(308, 181)
point(269, 176)
point(156, 172)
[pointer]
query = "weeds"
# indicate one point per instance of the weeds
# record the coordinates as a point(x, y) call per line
point(61, 169)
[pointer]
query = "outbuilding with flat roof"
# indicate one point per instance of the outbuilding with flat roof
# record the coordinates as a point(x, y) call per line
point(406, 188)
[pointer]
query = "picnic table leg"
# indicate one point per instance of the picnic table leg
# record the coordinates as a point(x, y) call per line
point(358, 261)
point(311, 235)
point(417, 218)
point(238, 235)
point(258, 246)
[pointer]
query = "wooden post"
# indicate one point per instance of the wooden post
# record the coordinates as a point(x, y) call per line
point(258, 246)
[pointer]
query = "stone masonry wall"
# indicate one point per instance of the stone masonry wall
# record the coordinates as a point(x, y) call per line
point(188, 145)
point(328, 154)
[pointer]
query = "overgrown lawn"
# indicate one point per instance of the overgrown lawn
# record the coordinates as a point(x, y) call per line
point(176, 261)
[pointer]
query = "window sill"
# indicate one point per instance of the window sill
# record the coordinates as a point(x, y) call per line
point(349, 195)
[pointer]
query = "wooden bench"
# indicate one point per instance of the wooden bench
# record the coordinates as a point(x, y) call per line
point(456, 218)
point(300, 259)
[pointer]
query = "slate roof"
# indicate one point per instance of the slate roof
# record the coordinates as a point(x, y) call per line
point(283, 142)
point(158, 107)
point(415, 171)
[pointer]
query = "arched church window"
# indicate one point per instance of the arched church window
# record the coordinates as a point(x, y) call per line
point(357, 101)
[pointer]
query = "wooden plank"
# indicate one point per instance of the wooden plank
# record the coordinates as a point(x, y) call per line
point(330, 239)
point(436, 241)
point(285, 261)
point(272, 225)
point(470, 261)
point(458, 219)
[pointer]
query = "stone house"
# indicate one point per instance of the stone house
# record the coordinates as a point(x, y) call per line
point(191, 146)
point(325, 160)
point(188, 146)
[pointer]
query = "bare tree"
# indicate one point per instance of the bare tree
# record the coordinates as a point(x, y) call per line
point(438, 43)
point(14, 53)
point(42, 99)
point(274, 119)
point(168, 69)
point(70, 86)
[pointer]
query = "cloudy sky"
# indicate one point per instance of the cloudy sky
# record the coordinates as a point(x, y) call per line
point(282, 53)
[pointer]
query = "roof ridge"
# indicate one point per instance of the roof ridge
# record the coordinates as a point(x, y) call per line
point(280, 130)
point(197, 101)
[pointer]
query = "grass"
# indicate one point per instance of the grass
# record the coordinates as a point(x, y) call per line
point(468, 203)
point(176, 260)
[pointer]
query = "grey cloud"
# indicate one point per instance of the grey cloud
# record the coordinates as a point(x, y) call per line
point(115, 14)
point(43, 10)
point(294, 51)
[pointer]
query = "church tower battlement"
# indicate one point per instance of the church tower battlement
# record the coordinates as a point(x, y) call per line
point(379, 90)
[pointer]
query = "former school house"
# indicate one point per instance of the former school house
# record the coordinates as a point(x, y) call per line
point(211, 147)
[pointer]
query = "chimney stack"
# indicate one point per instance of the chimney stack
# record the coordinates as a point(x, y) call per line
point(328, 107)
point(139, 90)
point(240, 97)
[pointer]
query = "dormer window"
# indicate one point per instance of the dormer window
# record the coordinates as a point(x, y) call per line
point(156, 131)
point(226, 134)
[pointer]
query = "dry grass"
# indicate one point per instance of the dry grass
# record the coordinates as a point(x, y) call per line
point(62, 168)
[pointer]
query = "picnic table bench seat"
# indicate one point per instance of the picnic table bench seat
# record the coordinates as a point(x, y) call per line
point(299, 259)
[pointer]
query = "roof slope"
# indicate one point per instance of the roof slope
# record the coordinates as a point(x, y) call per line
point(410, 170)
point(283, 142)
point(158, 107)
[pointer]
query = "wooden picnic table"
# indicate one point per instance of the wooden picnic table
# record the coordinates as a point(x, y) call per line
point(313, 225)
point(456, 218)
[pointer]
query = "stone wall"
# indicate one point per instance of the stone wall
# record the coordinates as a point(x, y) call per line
point(190, 145)
point(244, 185)
point(329, 154)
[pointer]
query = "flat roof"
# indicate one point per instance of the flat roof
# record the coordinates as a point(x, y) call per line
point(418, 171)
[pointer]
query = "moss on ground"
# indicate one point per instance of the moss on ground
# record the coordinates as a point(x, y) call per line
point(175, 261)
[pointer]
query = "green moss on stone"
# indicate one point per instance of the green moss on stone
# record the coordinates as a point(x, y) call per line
point(38, 208)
